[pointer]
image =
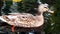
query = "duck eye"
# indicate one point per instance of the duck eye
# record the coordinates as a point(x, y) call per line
point(45, 7)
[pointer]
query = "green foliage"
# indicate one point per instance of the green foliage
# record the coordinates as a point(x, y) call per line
point(26, 5)
point(52, 26)
point(55, 19)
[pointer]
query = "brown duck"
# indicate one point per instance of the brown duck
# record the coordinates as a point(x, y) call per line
point(26, 19)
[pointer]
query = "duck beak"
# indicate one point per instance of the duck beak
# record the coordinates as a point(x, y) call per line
point(51, 11)
point(47, 9)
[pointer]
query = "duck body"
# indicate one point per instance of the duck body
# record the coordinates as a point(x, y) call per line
point(26, 19)
point(23, 20)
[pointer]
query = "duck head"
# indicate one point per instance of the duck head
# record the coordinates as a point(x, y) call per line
point(44, 8)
